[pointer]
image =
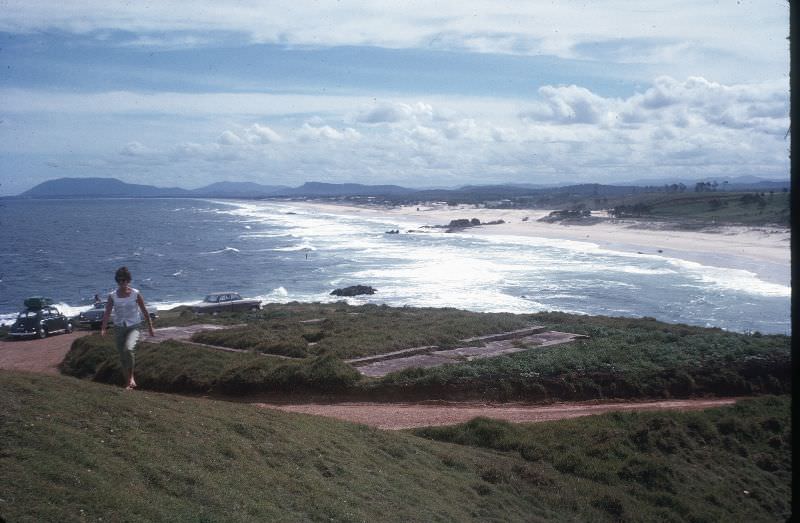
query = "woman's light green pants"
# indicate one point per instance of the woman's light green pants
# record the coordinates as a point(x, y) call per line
point(126, 338)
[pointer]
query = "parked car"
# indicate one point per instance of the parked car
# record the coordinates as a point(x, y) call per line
point(226, 302)
point(40, 322)
point(93, 317)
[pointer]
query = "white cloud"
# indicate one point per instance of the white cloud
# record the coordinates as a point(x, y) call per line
point(425, 134)
point(135, 149)
point(229, 138)
point(695, 101)
point(570, 104)
point(263, 134)
point(388, 113)
point(384, 113)
point(326, 132)
point(690, 127)
point(191, 150)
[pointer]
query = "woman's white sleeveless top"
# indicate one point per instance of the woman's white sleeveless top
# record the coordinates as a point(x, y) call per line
point(126, 310)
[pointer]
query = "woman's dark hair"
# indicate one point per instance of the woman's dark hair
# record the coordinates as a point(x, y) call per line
point(123, 274)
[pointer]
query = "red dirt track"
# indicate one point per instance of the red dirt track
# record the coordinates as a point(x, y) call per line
point(396, 416)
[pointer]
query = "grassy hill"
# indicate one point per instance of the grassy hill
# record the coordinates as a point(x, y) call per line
point(622, 357)
point(80, 451)
point(706, 208)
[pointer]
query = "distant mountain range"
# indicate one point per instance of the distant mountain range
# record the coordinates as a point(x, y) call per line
point(113, 188)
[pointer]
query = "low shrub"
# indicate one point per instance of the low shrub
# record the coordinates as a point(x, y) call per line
point(479, 432)
point(93, 357)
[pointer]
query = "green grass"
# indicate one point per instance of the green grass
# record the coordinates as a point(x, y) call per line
point(709, 208)
point(347, 331)
point(80, 451)
point(682, 466)
point(623, 357)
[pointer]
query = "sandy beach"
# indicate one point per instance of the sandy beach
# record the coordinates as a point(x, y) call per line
point(764, 251)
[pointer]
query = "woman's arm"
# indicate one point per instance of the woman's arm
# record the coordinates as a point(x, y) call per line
point(146, 314)
point(106, 315)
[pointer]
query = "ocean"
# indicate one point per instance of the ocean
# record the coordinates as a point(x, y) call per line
point(181, 249)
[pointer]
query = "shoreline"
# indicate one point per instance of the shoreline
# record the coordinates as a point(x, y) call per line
point(764, 251)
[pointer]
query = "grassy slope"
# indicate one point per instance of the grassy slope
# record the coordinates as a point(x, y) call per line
point(689, 208)
point(694, 465)
point(624, 357)
point(722, 207)
point(74, 450)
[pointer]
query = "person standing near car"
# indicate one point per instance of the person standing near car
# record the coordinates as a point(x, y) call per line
point(128, 308)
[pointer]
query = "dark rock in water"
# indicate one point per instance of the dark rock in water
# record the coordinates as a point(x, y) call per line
point(394, 231)
point(354, 290)
point(463, 222)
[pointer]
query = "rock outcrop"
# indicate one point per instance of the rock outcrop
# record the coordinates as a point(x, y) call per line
point(354, 290)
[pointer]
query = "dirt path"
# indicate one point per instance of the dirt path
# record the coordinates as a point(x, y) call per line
point(35, 355)
point(396, 416)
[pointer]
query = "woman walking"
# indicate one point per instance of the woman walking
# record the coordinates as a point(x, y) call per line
point(127, 306)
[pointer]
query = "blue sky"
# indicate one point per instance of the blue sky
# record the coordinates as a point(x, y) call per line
point(414, 93)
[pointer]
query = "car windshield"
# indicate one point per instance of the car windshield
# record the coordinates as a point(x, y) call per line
point(211, 298)
point(28, 314)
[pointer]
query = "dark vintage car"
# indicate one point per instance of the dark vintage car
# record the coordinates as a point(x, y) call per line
point(93, 317)
point(40, 322)
point(226, 302)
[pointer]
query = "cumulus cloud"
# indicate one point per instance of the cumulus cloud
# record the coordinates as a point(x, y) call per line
point(229, 138)
point(696, 101)
point(193, 150)
point(326, 132)
point(262, 134)
point(568, 105)
point(690, 127)
point(692, 103)
point(386, 112)
point(135, 149)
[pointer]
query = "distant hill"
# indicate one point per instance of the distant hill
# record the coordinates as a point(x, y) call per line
point(99, 188)
point(238, 190)
point(113, 188)
point(509, 185)
point(312, 189)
